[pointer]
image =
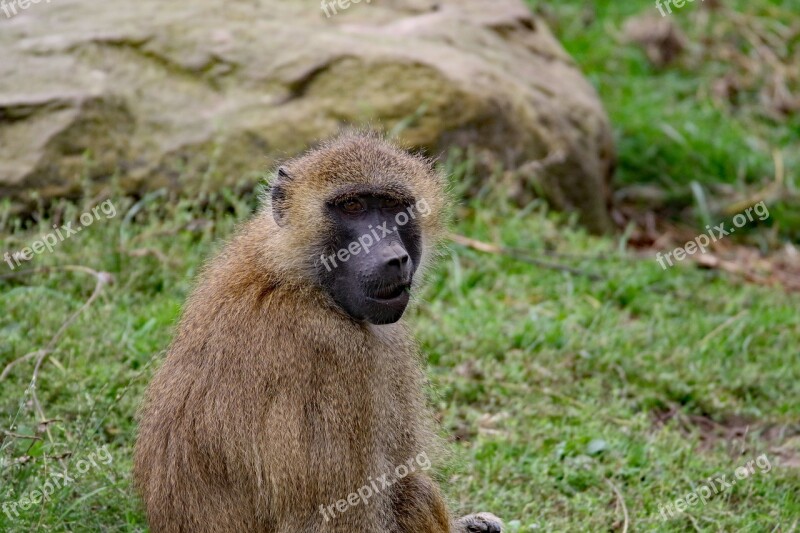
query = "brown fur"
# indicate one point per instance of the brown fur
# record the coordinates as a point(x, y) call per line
point(271, 402)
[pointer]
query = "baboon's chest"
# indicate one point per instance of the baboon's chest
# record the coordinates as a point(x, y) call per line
point(360, 419)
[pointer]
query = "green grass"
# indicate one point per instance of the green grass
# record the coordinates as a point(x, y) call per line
point(553, 382)
point(670, 128)
point(562, 391)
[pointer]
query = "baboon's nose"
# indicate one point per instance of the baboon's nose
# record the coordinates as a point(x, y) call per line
point(397, 261)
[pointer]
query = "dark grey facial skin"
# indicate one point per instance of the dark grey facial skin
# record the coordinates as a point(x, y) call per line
point(372, 283)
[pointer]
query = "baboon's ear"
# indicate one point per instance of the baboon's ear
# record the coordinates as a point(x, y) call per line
point(278, 192)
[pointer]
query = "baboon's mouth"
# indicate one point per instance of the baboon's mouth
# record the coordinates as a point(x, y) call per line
point(390, 292)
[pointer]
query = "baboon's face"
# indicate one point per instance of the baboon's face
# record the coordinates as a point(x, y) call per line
point(372, 255)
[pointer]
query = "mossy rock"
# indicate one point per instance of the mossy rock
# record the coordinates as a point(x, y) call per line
point(158, 93)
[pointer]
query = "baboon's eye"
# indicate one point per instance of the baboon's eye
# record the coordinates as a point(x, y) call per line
point(352, 206)
point(391, 203)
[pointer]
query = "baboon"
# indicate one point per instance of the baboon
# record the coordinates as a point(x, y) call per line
point(292, 384)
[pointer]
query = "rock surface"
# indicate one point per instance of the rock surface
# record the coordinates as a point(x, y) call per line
point(201, 94)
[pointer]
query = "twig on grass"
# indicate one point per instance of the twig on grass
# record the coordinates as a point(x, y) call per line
point(621, 501)
point(13, 435)
point(519, 255)
point(102, 279)
point(17, 361)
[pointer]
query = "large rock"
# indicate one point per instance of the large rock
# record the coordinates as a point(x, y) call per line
point(185, 94)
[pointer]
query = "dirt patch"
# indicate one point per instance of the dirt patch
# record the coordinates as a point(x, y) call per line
point(739, 435)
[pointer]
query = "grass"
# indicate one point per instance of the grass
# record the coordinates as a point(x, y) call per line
point(671, 127)
point(568, 399)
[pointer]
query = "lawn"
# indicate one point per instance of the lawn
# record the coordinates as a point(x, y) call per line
point(604, 397)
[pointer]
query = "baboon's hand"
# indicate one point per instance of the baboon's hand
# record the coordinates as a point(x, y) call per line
point(480, 523)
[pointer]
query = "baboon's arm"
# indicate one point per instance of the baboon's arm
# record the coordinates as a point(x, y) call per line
point(419, 506)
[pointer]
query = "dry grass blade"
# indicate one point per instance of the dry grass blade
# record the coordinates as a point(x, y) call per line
point(519, 255)
point(102, 279)
point(621, 501)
